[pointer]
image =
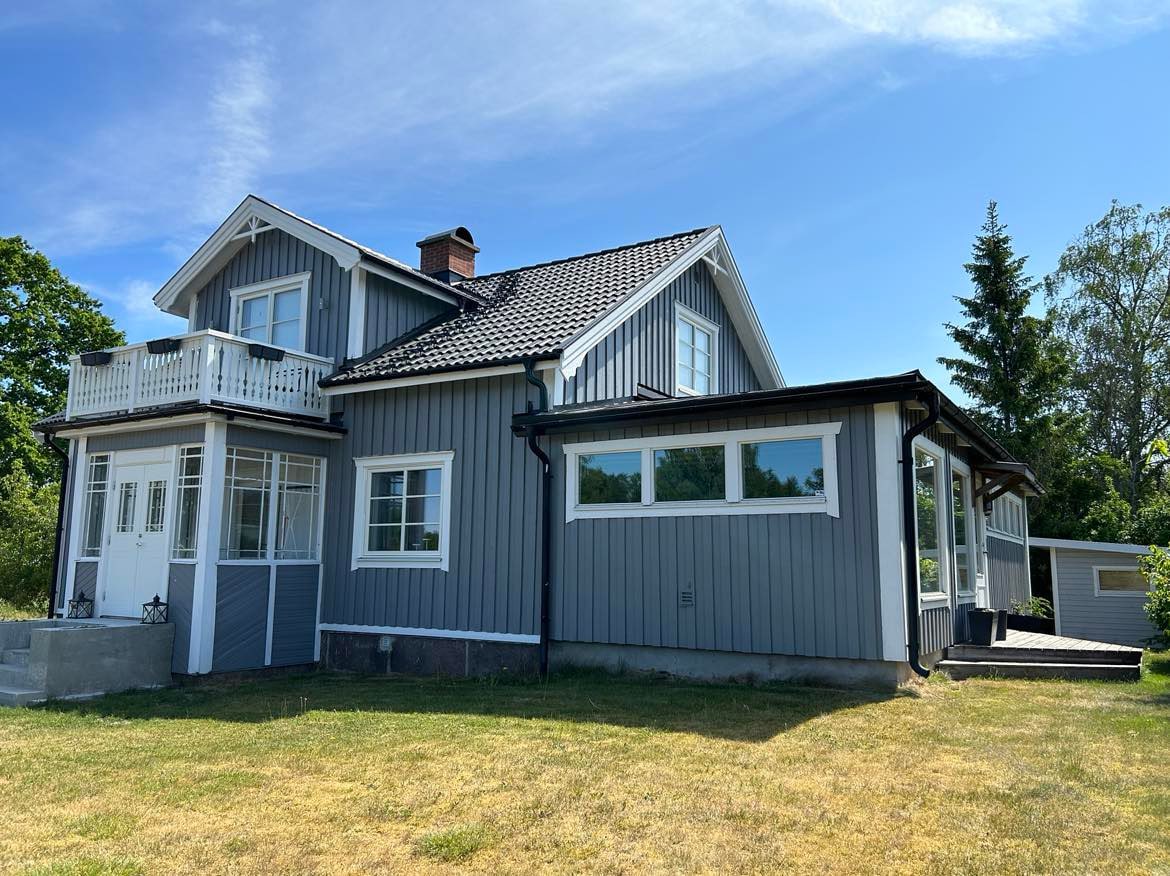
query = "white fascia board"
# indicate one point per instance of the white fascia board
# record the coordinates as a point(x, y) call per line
point(744, 317)
point(409, 282)
point(224, 243)
point(1108, 547)
point(439, 377)
point(164, 422)
point(356, 334)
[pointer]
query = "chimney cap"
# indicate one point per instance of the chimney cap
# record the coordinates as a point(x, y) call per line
point(460, 234)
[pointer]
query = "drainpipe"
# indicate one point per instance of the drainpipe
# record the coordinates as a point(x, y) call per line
point(60, 522)
point(909, 527)
point(545, 513)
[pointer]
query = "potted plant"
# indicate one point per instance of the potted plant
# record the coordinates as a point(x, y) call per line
point(1033, 616)
point(982, 624)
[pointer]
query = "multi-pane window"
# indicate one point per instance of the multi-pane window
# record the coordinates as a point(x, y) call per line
point(403, 510)
point(298, 507)
point(695, 341)
point(187, 503)
point(610, 478)
point(272, 312)
point(1007, 516)
point(926, 502)
point(246, 499)
point(156, 506)
point(960, 513)
point(127, 499)
point(94, 509)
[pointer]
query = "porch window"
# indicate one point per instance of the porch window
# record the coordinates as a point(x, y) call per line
point(297, 507)
point(694, 352)
point(961, 516)
point(926, 500)
point(1007, 516)
point(187, 503)
point(246, 498)
point(403, 515)
point(94, 514)
point(156, 506)
point(273, 312)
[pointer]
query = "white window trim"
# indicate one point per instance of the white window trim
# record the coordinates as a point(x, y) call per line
point(942, 523)
point(366, 466)
point(961, 468)
point(1015, 500)
point(734, 503)
point(1126, 594)
point(84, 505)
point(682, 313)
point(269, 288)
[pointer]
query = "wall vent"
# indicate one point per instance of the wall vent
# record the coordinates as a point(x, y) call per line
point(686, 597)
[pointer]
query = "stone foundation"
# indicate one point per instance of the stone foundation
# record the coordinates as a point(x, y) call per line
point(376, 654)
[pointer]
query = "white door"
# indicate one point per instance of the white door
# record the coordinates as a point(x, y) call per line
point(136, 557)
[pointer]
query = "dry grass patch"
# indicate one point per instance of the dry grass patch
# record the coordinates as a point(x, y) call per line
point(336, 774)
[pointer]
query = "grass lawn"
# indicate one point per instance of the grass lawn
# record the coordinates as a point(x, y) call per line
point(337, 774)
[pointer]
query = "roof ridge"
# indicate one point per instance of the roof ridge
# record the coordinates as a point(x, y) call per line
point(584, 255)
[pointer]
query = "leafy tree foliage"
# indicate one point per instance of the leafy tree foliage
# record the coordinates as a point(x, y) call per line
point(44, 318)
point(1156, 568)
point(28, 522)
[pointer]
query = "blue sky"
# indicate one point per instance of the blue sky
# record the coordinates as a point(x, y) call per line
point(848, 149)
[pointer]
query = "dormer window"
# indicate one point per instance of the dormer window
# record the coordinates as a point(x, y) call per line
point(272, 312)
point(696, 348)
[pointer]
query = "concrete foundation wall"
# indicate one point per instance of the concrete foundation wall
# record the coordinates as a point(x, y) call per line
point(727, 666)
point(66, 659)
point(374, 654)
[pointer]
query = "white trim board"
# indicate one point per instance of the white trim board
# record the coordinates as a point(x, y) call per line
point(162, 421)
point(270, 288)
point(517, 638)
point(1109, 547)
point(890, 537)
point(367, 466)
point(440, 377)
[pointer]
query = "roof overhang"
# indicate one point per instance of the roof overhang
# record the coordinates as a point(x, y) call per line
point(1070, 544)
point(713, 251)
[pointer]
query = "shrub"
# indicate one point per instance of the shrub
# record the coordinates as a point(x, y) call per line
point(1037, 606)
point(28, 523)
point(1156, 568)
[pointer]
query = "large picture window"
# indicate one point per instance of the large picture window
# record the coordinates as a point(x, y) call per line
point(97, 484)
point(403, 513)
point(252, 521)
point(273, 312)
point(776, 470)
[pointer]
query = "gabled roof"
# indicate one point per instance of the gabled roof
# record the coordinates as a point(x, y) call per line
point(255, 216)
point(560, 310)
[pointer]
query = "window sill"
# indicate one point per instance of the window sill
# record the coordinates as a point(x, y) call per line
point(933, 597)
point(701, 509)
point(426, 561)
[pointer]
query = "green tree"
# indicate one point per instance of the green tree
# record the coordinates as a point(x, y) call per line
point(28, 523)
point(1111, 298)
point(44, 318)
point(1156, 568)
point(1012, 366)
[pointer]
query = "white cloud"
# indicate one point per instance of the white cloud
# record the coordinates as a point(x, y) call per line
point(131, 304)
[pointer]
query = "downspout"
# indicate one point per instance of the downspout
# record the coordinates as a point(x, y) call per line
point(60, 522)
point(909, 528)
point(545, 513)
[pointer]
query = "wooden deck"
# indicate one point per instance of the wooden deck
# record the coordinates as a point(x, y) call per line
point(1017, 640)
point(1038, 655)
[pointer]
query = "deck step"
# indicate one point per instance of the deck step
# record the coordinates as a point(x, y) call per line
point(20, 696)
point(961, 669)
point(13, 676)
point(977, 653)
point(15, 656)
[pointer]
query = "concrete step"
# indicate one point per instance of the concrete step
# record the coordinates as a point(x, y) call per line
point(19, 696)
point(961, 669)
point(15, 656)
point(976, 653)
point(13, 676)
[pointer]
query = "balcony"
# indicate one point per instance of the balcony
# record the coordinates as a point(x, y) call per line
point(198, 368)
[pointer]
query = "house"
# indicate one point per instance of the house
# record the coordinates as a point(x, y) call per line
point(353, 461)
point(1098, 591)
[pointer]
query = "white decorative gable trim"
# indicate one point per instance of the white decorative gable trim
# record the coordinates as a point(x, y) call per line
point(713, 251)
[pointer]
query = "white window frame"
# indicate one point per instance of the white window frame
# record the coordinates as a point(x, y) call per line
point(1012, 504)
point(366, 467)
point(181, 486)
point(83, 550)
point(1125, 594)
point(942, 523)
point(682, 313)
point(961, 469)
point(269, 288)
point(734, 503)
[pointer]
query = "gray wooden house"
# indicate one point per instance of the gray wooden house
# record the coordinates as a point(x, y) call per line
point(350, 460)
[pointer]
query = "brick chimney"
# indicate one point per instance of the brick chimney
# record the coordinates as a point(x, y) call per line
point(449, 255)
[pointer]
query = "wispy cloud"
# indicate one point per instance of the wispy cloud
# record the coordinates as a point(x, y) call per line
point(131, 304)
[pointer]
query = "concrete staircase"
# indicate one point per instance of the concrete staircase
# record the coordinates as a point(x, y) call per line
point(16, 687)
point(1063, 658)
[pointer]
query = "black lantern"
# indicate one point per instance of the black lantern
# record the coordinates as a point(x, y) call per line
point(154, 612)
point(80, 607)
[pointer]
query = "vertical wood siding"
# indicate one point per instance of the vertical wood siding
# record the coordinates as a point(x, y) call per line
point(491, 584)
point(278, 254)
point(241, 617)
point(180, 597)
point(161, 437)
point(294, 615)
point(1111, 617)
point(1007, 572)
point(266, 439)
point(936, 629)
point(392, 310)
point(800, 584)
point(641, 349)
point(85, 578)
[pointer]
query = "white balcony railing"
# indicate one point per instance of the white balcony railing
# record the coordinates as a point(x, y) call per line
point(207, 366)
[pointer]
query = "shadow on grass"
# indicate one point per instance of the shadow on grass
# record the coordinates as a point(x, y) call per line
point(724, 711)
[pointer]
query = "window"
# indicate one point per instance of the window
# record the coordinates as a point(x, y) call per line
point(94, 509)
point(156, 505)
point(273, 312)
point(297, 507)
point(187, 503)
point(1007, 516)
point(247, 485)
point(960, 521)
point(127, 498)
point(695, 352)
point(610, 478)
point(927, 467)
point(777, 470)
point(1120, 580)
point(403, 513)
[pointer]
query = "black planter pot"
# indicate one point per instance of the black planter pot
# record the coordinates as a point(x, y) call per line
point(1027, 623)
point(163, 345)
point(98, 357)
point(1001, 626)
point(982, 623)
point(263, 351)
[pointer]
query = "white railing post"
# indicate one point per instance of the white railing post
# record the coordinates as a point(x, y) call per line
point(135, 378)
point(208, 370)
point(73, 362)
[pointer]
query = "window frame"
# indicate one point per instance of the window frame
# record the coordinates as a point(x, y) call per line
point(365, 467)
point(1097, 591)
point(963, 471)
point(183, 484)
point(1014, 510)
point(84, 550)
point(697, 321)
point(269, 289)
point(734, 503)
point(942, 522)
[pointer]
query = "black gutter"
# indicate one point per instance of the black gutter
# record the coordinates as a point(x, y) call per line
point(57, 537)
point(909, 528)
point(545, 513)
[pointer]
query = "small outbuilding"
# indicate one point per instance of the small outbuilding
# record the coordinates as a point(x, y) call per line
point(1098, 591)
